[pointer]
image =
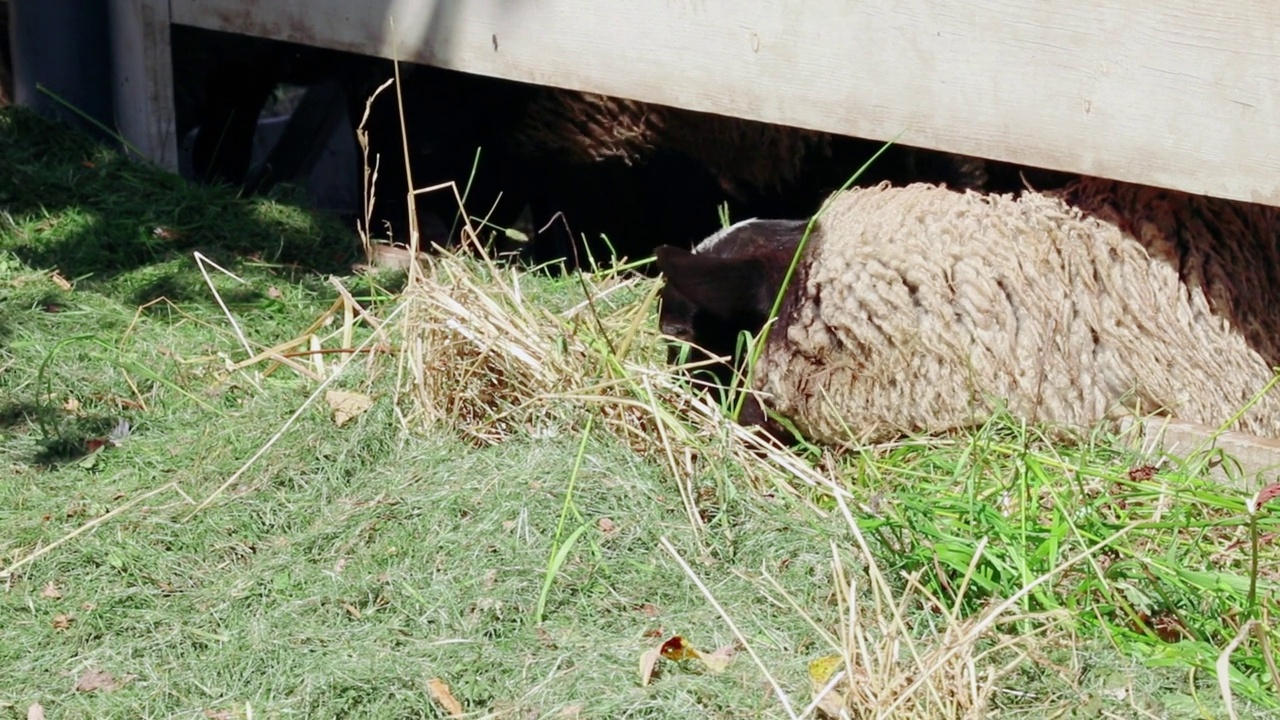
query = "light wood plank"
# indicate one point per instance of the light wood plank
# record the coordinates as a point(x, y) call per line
point(1181, 93)
point(1253, 461)
point(143, 77)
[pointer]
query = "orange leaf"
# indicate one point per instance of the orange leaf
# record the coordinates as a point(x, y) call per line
point(441, 693)
point(677, 648)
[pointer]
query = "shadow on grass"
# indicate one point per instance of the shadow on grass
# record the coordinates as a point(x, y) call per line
point(93, 214)
point(62, 438)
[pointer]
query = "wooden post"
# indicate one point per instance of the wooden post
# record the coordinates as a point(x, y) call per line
point(143, 82)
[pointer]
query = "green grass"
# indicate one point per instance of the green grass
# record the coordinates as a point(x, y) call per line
point(349, 566)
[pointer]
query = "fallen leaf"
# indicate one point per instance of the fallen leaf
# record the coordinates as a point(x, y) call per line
point(677, 648)
point(88, 163)
point(444, 697)
point(716, 661)
point(649, 610)
point(648, 663)
point(62, 621)
point(35, 712)
point(71, 405)
point(346, 405)
point(60, 281)
point(96, 679)
point(219, 714)
point(51, 591)
point(820, 672)
point(544, 636)
point(352, 610)
point(607, 526)
point(274, 293)
point(1145, 472)
point(1267, 494)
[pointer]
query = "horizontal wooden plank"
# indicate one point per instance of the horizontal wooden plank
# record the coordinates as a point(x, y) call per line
point(1179, 94)
point(1250, 463)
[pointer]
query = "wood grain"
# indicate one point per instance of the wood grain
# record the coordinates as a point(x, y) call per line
point(1179, 94)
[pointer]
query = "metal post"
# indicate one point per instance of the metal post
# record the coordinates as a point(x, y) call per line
point(62, 61)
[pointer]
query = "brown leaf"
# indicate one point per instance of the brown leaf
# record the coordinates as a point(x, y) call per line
point(51, 591)
point(35, 712)
point(607, 526)
point(544, 637)
point(71, 405)
point(352, 610)
point(96, 679)
point(62, 621)
point(346, 405)
point(649, 610)
point(274, 293)
point(60, 281)
point(444, 697)
point(1267, 494)
point(1145, 472)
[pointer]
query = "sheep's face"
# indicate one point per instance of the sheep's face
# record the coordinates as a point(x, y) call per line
point(724, 287)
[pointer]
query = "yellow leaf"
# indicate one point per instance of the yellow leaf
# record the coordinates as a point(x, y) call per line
point(821, 670)
point(717, 661)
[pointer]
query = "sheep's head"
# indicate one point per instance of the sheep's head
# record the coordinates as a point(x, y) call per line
point(726, 286)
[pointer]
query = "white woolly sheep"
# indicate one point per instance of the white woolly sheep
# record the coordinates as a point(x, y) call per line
point(923, 309)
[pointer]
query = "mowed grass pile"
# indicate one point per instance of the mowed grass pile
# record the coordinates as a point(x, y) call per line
point(529, 504)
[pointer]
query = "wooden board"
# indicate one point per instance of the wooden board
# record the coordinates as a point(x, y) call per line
point(1250, 462)
point(143, 78)
point(1179, 94)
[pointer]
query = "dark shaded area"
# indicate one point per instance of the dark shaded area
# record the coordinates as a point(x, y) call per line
point(6, 65)
point(107, 214)
point(662, 197)
point(62, 437)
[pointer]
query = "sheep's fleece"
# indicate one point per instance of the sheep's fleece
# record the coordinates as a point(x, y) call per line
point(920, 309)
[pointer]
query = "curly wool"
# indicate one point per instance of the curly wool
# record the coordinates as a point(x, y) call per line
point(921, 309)
point(584, 128)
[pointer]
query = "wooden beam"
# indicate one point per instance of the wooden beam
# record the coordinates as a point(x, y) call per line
point(1182, 94)
point(143, 77)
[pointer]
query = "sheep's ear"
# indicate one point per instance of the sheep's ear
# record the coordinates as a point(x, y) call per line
point(723, 287)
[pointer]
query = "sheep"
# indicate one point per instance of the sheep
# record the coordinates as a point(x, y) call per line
point(922, 309)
